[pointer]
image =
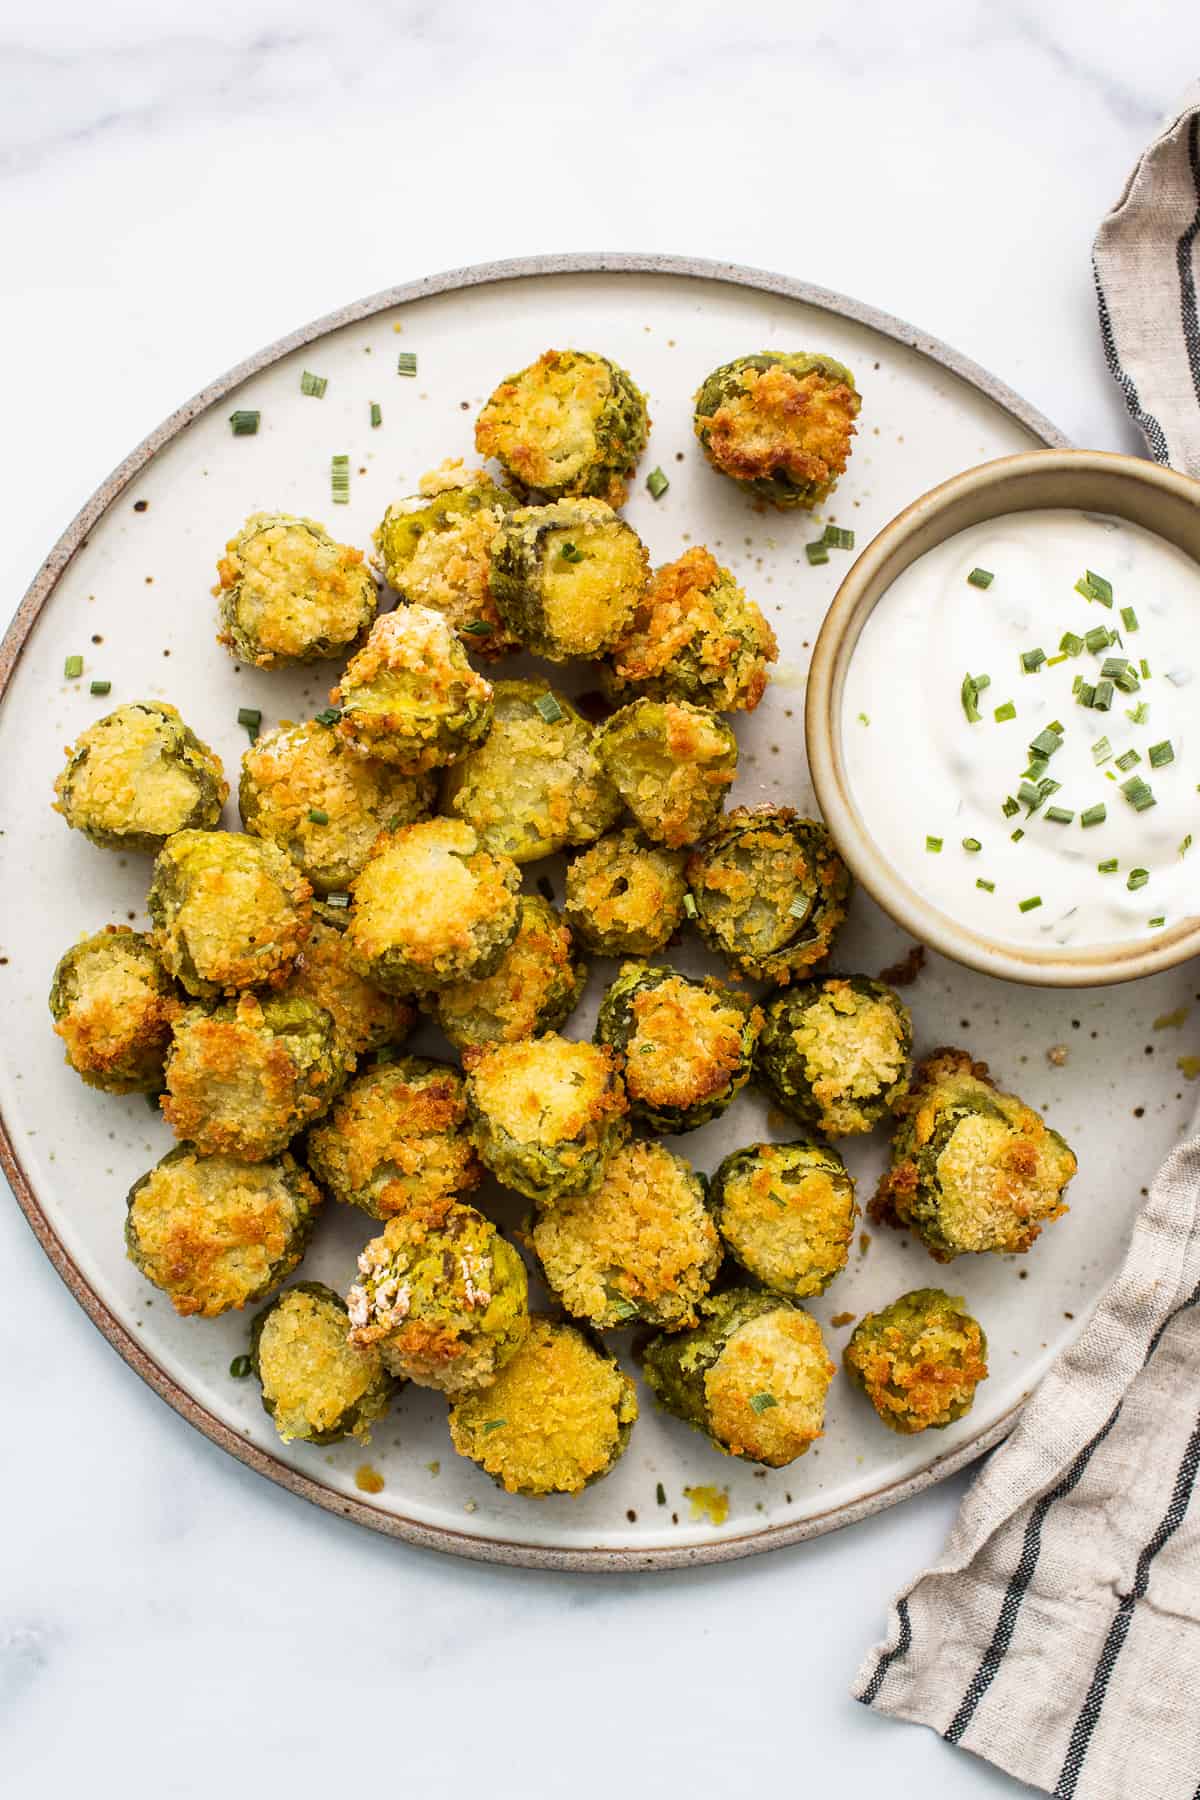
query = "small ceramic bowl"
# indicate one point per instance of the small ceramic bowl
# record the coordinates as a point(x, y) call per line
point(1084, 480)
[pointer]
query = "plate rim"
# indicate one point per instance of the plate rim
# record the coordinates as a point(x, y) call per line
point(445, 1538)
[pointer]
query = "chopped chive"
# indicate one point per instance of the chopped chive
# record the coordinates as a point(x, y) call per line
point(477, 628)
point(838, 538)
point(1058, 815)
point(571, 553)
point(493, 1424)
point(1186, 845)
point(1120, 670)
point(329, 715)
point(314, 384)
point(1102, 697)
point(972, 687)
point(1144, 666)
point(933, 845)
point(864, 718)
point(240, 1367)
point(101, 687)
point(1032, 660)
point(1139, 713)
point(1085, 694)
point(1129, 618)
point(817, 552)
point(981, 578)
point(1010, 807)
point(1052, 662)
point(1108, 866)
point(1097, 639)
point(1037, 768)
point(1179, 677)
point(761, 1402)
point(1017, 835)
point(799, 909)
point(339, 478)
point(1137, 879)
point(1034, 900)
point(251, 719)
point(1161, 919)
point(657, 483)
point(549, 708)
point(244, 423)
point(406, 363)
point(1069, 644)
point(660, 1494)
point(318, 816)
point(1007, 711)
point(989, 887)
point(376, 413)
point(1127, 759)
point(1047, 742)
point(1093, 815)
point(73, 668)
point(1101, 751)
point(689, 905)
point(1138, 793)
point(972, 844)
point(1161, 754)
point(338, 899)
point(1095, 587)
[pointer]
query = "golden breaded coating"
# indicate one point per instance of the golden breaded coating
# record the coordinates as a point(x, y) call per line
point(780, 424)
point(410, 697)
point(139, 775)
point(307, 791)
point(113, 1006)
point(435, 549)
point(567, 577)
point(230, 912)
point(688, 1044)
point(643, 1246)
point(535, 988)
point(432, 907)
point(918, 1361)
point(787, 1213)
point(834, 1054)
point(671, 763)
point(396, 1138)
point(546, 1114)
point(571, 423)
point(443, 1296)
point(245, 1077)
point(290, 593)
point(316, 1384)
point(694, 636)
point(771, 891)
point(535, 784)
point(972, 1169)
point(556, 1418)
point(364, 1017)
point(214, 1233)
point(625, 897)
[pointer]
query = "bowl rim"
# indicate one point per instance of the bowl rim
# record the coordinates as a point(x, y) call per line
point(1089, 966)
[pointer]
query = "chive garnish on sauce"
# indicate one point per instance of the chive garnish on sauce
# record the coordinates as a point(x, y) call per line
point(972, 845)
point(1101, 751)
point(1032, 660)
point(1007, 711)
point(972, 687)
point(1129, 618)
point(989, 887)
point(1137, 879)
point(1127, 759)
point(1093, 815)
point(933, 845)
point(1069, 644)
point(1138, 793)
point(1058, 815)
point(1161, 754)
point(1034, 900)
point(1108, 866)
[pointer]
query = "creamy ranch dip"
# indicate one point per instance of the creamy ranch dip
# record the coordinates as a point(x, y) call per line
point(1025, 750)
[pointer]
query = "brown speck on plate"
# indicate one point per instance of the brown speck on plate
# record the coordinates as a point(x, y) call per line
point(905, 972)
point(141, 505)
point(843, 1318)
point(1057, 1055)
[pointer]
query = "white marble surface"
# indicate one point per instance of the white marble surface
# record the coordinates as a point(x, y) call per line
point(177, 187)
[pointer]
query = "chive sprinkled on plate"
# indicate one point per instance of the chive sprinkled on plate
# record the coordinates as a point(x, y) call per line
point(660, 1494)
point(314, 385)
point(376, 413)
point(1017, 835)
point(1161, 754)
point(1034, 901)
point(981, 578)
point(101, 687)
point(1137, 879)
point(933, 845)
point(240, 1367)
point(657, 483)
point(839, 538)
point(406, 363)
point(250, 718)
point(972, 845)
point(244, 422)
point(817, 552)
point(339, 480)
point(1007, 711)
point(73, 668)
point(549, 708)
point(1093, 815)
point(989, 887)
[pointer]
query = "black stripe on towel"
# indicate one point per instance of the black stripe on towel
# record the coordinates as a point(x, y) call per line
point(1186, 265)
point(885, 1662)
point(1155, 436)
point(1118, 1631)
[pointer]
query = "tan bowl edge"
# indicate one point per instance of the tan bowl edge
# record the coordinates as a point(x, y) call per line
point(1159, 499)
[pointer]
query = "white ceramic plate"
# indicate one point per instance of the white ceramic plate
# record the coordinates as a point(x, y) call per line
point(130, 591)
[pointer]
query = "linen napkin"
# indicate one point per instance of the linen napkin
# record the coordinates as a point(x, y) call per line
point(1058, 1634)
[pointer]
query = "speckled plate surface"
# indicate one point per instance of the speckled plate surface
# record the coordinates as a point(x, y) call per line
point(128, 588)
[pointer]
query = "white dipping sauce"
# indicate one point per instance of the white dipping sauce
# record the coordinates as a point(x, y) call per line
point(918, 770)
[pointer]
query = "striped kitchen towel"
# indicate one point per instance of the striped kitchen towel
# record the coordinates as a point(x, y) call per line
point(1058, 1635)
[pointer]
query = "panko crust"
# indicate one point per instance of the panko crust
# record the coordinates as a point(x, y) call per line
point(396, 1138)
point(571, 423)
point(671, 763)
point(435, 550)
point(316, 1385)
point(835, 1054)
point(625, 897)
point(641, 1247)
point(752, 1376)
point(293, 775)
point(243, 1078)
point(139, 775)
point(972, 1169)
point(443, 1295)
point(771, 891)
point(546, 1113)
point(534, 989)
point(431, 908)
point(409, 697)
point(918, 1361)
point(779, 424)
point(215, 1233)
point(534, 785)
point(556, 1418)
point(290, 593)
point(567, 577)
point(687, 1043)
point(696, 637)
point(786, 1213)
point(113, 1005)
point(230, 912)
point(364, 1017)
